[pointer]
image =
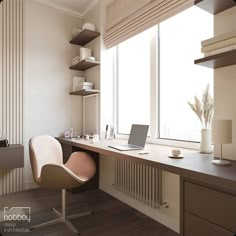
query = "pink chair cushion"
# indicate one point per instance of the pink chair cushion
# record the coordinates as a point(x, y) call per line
point(44, 150)
point(82, 165)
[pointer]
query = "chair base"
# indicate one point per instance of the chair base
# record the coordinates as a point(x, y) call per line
point(62, 218)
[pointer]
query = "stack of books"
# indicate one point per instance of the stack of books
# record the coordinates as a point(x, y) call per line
point(219, 44)
point(79, 84)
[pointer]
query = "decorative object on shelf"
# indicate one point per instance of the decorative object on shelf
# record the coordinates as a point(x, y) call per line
point(222, 134)
point(204, 111)
point(76, 83)
point(85, 53)
point(218, 44)
point(86, 85)
point(4, 143)
point(89, 26)
point(75, 60)
point(91, 58)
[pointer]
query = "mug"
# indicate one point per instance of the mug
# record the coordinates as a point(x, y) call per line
point(4, 143)
point(175, 152)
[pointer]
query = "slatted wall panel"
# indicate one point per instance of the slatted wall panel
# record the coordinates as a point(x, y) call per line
point(11, 86)
point(140, 182)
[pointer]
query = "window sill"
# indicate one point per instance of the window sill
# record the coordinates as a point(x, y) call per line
point(167, 142)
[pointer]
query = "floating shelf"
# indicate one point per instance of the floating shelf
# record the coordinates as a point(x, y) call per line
point(219, 60)
point(85, 65)
point(84, 37)
point(215, 6)
point(85, 92)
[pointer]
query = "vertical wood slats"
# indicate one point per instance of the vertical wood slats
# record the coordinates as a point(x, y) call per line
point(140, 182)
point(11, 86)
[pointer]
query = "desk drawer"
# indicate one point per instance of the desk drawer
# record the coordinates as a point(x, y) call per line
point(195, 226)
point(214, 206)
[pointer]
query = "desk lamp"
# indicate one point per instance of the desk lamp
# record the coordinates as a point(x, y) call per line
point(222, 134)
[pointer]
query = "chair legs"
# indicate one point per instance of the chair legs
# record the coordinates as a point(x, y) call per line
point(62, 218)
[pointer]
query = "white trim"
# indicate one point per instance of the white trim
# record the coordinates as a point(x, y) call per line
point(176, 143)
point(66, 10)
point(60, 8)
point(153, 82)
point(91, 9)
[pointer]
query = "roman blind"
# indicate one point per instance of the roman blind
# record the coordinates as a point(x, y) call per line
point(124, 19)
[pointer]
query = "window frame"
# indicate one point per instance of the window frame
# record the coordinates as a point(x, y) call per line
point(154, 127)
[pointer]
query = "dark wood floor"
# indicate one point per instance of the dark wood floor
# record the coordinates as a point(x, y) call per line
point(111, 218)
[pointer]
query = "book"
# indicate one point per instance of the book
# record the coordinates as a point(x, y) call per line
point(221, 44)
point(219, 38)
point(217, 51)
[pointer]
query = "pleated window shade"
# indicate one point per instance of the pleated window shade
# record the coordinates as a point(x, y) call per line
point(124, 20)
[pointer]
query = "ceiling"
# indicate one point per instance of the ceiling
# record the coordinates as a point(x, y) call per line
point(76, 7)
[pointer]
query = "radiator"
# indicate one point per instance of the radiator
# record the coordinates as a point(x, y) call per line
point(140, 182)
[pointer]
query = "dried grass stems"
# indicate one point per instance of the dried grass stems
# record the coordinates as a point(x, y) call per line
point(204, 110)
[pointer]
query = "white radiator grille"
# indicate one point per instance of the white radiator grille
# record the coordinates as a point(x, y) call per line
point(140, 182)
point(11, 86)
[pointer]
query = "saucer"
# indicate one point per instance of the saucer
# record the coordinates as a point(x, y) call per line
point(176, 157)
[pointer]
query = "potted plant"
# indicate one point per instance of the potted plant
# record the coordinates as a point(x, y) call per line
point(204, 110)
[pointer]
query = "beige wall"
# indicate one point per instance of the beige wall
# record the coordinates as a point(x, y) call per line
point(225, 84)
point(48, 107)
point(93, 74)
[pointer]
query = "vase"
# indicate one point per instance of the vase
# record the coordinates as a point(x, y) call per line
point(205, 145)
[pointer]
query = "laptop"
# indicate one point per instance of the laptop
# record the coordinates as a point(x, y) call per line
point(137, 139)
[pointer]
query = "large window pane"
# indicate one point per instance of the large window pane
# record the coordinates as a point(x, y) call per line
point(133, 82)
point(180, 79)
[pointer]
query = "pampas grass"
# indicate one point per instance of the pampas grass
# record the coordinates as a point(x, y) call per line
point(204, 109)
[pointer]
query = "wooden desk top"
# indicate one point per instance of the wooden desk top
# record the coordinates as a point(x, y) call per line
point(194, 165)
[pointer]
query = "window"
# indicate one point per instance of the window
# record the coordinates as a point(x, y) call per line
point(154, 81)
point(180, 43)
point(133, 82)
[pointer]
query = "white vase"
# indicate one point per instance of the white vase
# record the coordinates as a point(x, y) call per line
point(205, 145)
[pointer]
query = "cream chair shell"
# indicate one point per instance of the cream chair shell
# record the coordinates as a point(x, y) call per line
point(49, 172)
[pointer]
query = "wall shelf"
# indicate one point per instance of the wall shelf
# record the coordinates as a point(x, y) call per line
point(84, 37)
point(85, 92)
point(219, 60)
point(85, 65)
point(215, 6)
point(12, 157)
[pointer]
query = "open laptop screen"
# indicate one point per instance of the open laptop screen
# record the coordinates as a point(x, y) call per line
point(138, 135)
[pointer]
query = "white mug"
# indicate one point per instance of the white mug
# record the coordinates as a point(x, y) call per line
point(175, 152)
